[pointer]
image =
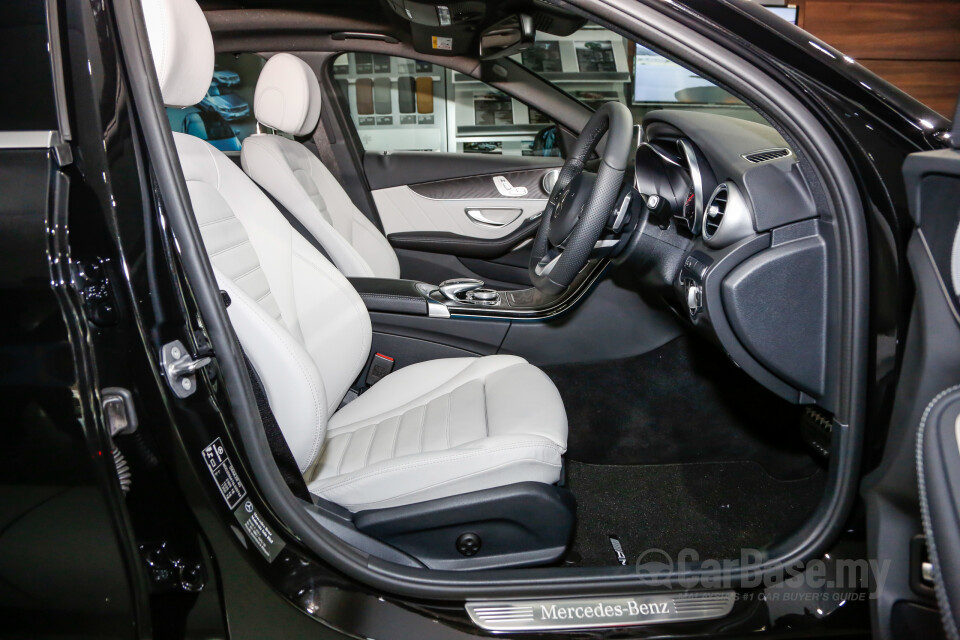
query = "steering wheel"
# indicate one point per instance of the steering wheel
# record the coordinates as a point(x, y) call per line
point(580, 203)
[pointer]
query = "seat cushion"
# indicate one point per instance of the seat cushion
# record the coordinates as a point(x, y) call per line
point(443, 428)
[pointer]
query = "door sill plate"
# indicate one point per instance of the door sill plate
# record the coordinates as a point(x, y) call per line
point(592, 613)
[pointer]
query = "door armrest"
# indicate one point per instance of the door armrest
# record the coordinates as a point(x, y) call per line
point(464, 246)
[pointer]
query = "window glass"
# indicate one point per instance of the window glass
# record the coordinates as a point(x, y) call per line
point(26, 101)
point(398, 104)
point(596, 65)
point(224, 117)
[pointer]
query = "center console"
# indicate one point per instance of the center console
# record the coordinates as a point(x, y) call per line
point(469, 298)
point(414, 321)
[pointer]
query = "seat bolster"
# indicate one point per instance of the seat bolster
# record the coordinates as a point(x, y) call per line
point(336, 326)
point(484, 464)
point(523, 399)
point(292, 381)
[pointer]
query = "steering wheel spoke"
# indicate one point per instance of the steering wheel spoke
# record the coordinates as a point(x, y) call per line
point(580, 204)
point(548, 262)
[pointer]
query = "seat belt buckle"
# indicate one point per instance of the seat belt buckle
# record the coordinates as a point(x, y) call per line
point(379, 367)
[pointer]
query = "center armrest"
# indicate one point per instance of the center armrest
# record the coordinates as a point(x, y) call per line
point(388, 295)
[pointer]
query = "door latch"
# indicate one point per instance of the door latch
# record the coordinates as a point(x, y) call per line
point(180, 368)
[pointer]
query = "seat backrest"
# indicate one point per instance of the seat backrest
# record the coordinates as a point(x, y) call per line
point(304, 328)
point(287, 99)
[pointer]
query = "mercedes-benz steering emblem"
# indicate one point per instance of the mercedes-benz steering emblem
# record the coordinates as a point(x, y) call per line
point(559, 208)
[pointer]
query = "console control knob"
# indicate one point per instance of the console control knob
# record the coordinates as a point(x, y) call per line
point(486, 295)
point(450, 288)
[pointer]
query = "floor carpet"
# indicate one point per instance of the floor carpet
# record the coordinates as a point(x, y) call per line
point(683, 402)
point(716, 509)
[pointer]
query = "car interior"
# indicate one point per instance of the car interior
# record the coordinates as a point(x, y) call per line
point(617, 334)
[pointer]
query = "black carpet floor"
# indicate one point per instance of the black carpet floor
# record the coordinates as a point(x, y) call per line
point(716, 509)
point(679, 449)
point(683, 402)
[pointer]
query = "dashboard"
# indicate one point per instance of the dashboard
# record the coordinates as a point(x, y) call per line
point(735, 242)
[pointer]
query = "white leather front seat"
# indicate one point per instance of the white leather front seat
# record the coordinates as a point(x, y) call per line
point(430, 430)
point(287, 99)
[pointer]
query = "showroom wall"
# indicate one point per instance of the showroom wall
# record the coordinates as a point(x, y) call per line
point(914, 45)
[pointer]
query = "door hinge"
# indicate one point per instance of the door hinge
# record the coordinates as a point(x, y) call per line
point(180, 368)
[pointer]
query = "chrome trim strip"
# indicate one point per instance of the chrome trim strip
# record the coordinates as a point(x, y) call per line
point(491, 199)
point(696, 177)
point(478, 215)
point(28, 139)
point(596, 613)
point(56, 61)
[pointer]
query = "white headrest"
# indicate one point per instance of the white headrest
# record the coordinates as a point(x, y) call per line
point(182, 49)
point(287, 96)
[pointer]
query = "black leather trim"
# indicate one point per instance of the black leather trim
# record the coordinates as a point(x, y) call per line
point(411, 167)
point(391, 296)
point(462, 246)
point(483, 187)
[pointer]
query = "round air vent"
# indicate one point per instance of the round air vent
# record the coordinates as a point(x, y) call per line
point(727, 217)
point(715, 211)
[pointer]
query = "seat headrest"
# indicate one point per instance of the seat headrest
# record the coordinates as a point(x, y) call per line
point(182, 49)
point(287, 96)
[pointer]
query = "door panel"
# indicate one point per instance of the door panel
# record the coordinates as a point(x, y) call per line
point(470, 206)
point(448, 217)
point(424, 193)
point(923, 414)
point(395, 168)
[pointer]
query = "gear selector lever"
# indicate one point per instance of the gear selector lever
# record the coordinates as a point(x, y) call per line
point(450, 288)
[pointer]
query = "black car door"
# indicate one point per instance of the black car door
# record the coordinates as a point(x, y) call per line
point(913, 497)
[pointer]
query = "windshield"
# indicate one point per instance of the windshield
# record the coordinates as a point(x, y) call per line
point(596, 65)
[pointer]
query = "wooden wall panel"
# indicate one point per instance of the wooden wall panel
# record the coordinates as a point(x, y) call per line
point(914, 45)
point(887, 30)
point(935, 83)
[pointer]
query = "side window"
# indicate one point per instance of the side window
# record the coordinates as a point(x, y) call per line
point(398, 104)
point(224, 117)
point(27, 100)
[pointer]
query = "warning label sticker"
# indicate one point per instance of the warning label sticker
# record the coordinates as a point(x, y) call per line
point(257, 530)
point(442, 43)
point(224, 473)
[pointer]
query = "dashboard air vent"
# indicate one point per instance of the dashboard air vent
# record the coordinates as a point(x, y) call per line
point(716, 209)
point(766, 155)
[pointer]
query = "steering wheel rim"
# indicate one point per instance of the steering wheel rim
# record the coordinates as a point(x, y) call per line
point(555, 263)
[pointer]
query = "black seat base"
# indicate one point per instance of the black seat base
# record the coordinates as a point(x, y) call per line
point(527, 523)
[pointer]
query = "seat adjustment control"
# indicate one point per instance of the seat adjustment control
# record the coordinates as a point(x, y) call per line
point(468, 544)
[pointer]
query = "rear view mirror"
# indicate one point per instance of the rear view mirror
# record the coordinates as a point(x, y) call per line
point(507, 37)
